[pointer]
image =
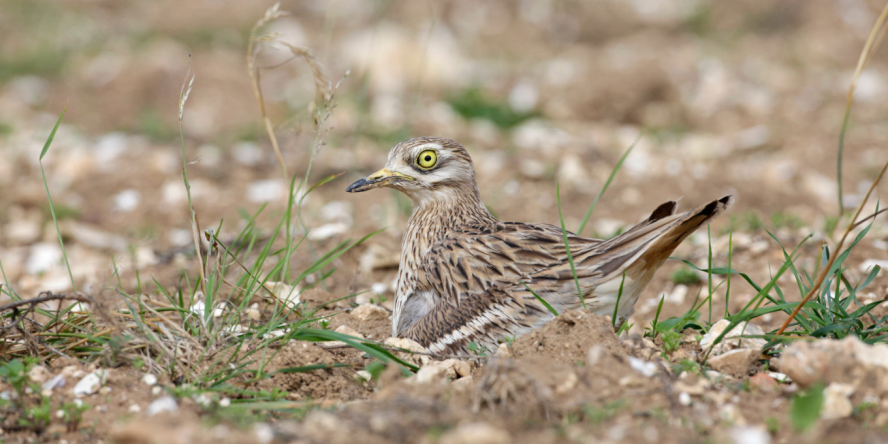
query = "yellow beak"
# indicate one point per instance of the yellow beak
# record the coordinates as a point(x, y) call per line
point(378, 179)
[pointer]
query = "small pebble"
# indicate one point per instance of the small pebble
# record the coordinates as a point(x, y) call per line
point(162, 404)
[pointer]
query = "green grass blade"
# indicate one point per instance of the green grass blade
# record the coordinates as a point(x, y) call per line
point(620, 296)
point(55, 219)
point(573, 268)
point(52, 134)
point(540, 298)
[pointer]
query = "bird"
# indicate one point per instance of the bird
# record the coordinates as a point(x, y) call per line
point(468, 282)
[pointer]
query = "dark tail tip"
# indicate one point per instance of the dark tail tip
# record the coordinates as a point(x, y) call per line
point(664, 210)
point(715, 207)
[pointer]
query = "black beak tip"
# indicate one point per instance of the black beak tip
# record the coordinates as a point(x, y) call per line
point(356, 187)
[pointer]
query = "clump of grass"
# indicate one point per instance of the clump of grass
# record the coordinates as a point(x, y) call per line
point(200, 332)
point(685, 276)
point(473, 103)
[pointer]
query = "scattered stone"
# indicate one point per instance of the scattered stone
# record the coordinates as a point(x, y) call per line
point(836, 401)
point(684, 399)
point(750, 435)
point(735, 362)
point(57, 381)
point(263, 432)
point(38, 374)
point(288, 294)
point(92, 237)
point(162, 404)
point(867, 265)
point(503, 351)
point(253, 312)
point(780, 377)
point(646, 368)
point(476, 433)
point(90, 383)
point(430, 374)
point(732, 339)
point(43, 256)
point(127, 200)
point(369, 311)
point(847, 360)
point(149, 379)
point(463, 368)
point(135, 408)
point(730, 413)
point(327, 231)
point(698, 388)
point(378, 257)
point(363, 376)
point(267, 190)
point(567, 385)
point(410, 345)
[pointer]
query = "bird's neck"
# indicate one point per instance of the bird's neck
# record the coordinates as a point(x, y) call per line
point(434, 218)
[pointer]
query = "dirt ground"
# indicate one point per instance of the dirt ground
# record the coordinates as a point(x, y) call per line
point(743, 98)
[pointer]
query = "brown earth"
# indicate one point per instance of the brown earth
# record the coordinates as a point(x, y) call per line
point(745, 98)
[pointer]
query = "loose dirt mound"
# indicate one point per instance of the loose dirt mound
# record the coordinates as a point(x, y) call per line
point(568, 338)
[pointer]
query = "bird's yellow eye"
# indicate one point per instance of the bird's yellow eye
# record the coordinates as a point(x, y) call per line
point(427, 159)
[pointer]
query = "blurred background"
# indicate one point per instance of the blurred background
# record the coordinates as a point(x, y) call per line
point(743, 97)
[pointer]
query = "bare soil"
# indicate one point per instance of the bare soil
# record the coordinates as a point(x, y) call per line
point(742, 98)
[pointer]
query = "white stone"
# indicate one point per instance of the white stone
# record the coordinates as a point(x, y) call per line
point(684, 399)
point(430, 374)
point(127, 200)
point(836, 401)
point(346, 330)
point(43, 256)
point(404, 343)
point(327, 231)
point(365, 312)
point(523, 97)
point(572, 172)
point(378, 288)
point(149, 379)
point(646, 368)
point(88, 385)
point(750, 435)
point(868, 265)
point(162, 404)
point(267, 190)
point(263, 432)
point(732, 339)
point(363, 376)
point(57, 381)
point(253, 312)
point(135, 408)
point(38, 374)
point(337, 211)
point(247, 153)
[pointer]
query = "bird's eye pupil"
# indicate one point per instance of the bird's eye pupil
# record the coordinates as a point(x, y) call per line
point(428, 158)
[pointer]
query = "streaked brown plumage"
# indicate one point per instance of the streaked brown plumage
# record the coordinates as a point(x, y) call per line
point(463, 273)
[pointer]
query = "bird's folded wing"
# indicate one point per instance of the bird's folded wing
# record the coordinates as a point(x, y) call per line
point(505, 254)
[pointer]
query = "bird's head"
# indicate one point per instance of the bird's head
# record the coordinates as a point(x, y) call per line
point(426, 169)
